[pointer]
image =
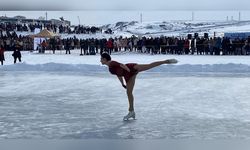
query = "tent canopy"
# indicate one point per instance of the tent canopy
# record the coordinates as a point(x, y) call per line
point(44, 34)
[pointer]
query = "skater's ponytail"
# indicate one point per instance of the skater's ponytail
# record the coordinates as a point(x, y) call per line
point(106, 56)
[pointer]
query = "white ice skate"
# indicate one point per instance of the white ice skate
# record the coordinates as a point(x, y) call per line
point(131, 114)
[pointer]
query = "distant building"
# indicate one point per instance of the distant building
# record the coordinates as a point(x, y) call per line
point(19, 17)
point(235, 35)
point(24, 20)
point(60, 22)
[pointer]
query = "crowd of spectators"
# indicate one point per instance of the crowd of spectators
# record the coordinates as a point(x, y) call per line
point(80, 29)
point(11, 41)
point(157, 45)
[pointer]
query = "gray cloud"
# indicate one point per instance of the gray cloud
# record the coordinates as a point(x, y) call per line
point(124, 5)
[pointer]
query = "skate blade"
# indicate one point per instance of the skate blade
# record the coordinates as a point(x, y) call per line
point(129, 119)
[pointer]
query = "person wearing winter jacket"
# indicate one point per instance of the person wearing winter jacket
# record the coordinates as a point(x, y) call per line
point(2, 55)
point(187, 46)
point(110, 46)
point(17, 55)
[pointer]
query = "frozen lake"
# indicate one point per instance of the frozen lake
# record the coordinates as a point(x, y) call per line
point(63, 105)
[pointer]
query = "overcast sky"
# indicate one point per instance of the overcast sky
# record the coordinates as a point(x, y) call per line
point(125, 4)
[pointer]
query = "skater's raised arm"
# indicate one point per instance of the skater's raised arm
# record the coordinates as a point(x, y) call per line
point(125, 67)
point(121, 80)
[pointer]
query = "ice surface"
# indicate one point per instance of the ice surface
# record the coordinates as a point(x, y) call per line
point(68, 105)
point(74, 97)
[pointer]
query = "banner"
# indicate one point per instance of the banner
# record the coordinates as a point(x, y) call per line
point(37, 41)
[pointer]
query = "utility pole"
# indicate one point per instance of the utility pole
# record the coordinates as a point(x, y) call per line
point(141, 17)
point(79, 20)
point(46, 14)
point(239, 16)
point(192, 16)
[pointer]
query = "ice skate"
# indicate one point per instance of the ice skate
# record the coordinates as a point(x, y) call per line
point(131, 114)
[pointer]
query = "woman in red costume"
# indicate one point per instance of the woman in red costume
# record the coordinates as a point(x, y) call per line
point(129, 72)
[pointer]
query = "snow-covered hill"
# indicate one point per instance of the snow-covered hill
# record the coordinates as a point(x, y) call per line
point(170, 28)
point(178, 28)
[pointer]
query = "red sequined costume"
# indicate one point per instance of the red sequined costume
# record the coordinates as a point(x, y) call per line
point(116, 69)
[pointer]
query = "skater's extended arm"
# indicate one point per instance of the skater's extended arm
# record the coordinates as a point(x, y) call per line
point(125, 67)
point(121, 80)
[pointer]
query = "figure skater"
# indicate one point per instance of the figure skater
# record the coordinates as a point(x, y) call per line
point(129, 72)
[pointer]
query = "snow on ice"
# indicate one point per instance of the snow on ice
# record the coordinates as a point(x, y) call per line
point(74, 97)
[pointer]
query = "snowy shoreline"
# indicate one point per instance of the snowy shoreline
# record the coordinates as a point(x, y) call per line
point(86, 68)
point(91, 64)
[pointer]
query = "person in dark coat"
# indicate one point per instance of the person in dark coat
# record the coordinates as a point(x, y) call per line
point(53, 44)
point(2, 55)
point(44, 46)
point(17, 55)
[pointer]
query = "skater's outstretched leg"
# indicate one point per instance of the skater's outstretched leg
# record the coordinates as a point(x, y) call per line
point(143, 67)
